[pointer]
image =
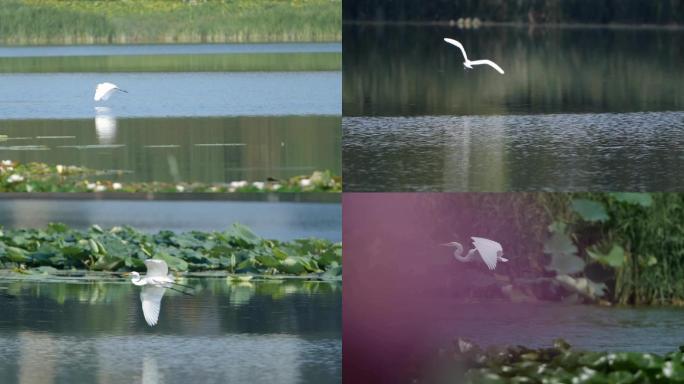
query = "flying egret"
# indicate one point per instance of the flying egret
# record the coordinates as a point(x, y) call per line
point(490, 251)
point(469, 64)
point(154, 284)
point(105, 90)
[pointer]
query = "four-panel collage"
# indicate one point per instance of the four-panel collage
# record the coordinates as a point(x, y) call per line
point(179, 181)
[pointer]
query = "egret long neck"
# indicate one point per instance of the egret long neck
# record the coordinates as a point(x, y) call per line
point(458, 253)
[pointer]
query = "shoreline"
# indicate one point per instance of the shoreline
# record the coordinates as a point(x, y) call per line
point(515, 24)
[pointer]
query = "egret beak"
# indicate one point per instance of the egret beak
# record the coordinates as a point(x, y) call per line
point(125, 274)
point(448, 244)
point(122, 90)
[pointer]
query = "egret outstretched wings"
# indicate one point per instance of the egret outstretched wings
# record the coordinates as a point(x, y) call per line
point(459, 45)
point(151, 297)
point(489, 250)
point(105, 90)
point(469, 64)
point(488, 62)
point(156, 268)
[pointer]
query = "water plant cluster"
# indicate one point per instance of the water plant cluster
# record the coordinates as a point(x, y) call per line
point(468, 363)
point(168, 21)
point(633, 243)
point(232, 62)
point(237, 250)
point(42, 177)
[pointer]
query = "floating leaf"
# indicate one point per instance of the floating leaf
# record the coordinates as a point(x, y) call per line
point(615, 257)
point(589, 210)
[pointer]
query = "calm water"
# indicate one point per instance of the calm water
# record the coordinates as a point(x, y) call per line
point(578, 109)
point(208, 149)
point(70, 95)
point(185, 125)
point(94, 332)
point(277, 220)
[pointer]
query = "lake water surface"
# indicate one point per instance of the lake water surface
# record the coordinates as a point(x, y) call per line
point(577, 109)
point(197, 122)
point(94, 332)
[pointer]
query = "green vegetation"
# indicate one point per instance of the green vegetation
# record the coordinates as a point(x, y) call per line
point(559, 364)
point(237, 250)
point(168, 21)
point(533, 11)
point(625, 248)
point(244, 62)
point(41, 177)
point(632, 242)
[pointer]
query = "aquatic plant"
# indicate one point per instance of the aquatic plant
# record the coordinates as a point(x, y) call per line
point(41, 177)
point(236, 250)
point(633, 242)
point(234, 62)
point(168, 21)
point(468, 363)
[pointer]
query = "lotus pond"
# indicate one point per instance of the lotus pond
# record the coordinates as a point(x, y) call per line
point(42, 177)
point(91, 330)
point(556, 364)
point(236, 250)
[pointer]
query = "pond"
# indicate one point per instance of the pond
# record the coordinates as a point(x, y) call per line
point(94, 332)
point(578, 109)
point(204, 113)
point(274, 220)
point(204, 149)
point(403, 335)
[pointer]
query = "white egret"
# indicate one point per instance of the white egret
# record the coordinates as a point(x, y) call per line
point(469, 64)
point(490, 251)
point(105, 90)
point(154, 284)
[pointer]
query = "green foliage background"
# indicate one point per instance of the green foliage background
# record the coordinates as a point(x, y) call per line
point(168, 21)
point(236, 250)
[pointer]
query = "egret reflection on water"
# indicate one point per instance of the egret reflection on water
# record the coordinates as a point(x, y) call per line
point(105, 125)
point(468, 63)
point(490, 251)
point(104, 91)
point(154, 283)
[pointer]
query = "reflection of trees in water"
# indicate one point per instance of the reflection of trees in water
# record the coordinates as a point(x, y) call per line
point(279, 147)
point(258, 329)
point(409, 70)
point(218, 304)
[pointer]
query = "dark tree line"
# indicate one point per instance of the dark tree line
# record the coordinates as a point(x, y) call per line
point(538, 11)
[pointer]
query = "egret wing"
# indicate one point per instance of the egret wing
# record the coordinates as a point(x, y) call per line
point(488, 62)
point(156, 268)
point(488, 250)
point(151, 297)
point(459, 45)
point(104, 90)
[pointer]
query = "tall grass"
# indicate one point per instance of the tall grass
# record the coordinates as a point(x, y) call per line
point(155, 21)
point(309, 61)
point(652, 271)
